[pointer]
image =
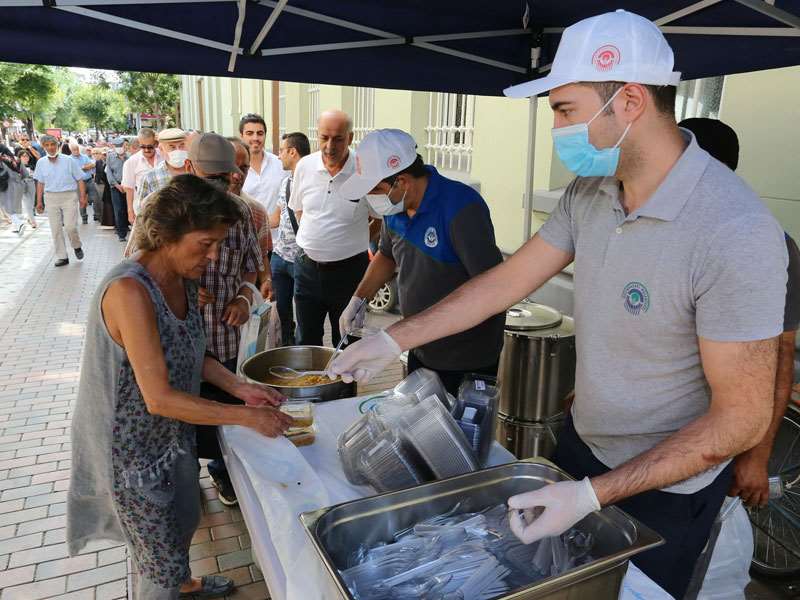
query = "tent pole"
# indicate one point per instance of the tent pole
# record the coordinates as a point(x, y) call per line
point(531, 155)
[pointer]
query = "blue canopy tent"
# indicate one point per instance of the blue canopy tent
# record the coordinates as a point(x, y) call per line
point(467, 46)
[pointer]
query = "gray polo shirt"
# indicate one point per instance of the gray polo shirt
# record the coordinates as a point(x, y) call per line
point(703, 257)
point(449, 240)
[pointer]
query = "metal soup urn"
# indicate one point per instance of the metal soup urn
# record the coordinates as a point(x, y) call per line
point(537, 372)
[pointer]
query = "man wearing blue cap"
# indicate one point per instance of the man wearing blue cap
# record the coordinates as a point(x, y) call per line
point(680, 278)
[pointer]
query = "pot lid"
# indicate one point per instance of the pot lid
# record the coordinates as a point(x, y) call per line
point(529, 315)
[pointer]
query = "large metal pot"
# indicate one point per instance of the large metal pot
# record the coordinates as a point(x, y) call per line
point(525, 439)
point(537, 365)
point(308, 358)
point(338, 531)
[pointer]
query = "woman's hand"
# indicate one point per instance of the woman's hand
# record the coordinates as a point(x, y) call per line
point(255, 394)
point(204, 297)
point(268, 421)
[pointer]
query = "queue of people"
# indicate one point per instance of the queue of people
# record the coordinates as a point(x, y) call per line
point(682, 331)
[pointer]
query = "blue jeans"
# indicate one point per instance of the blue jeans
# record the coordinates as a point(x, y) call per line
point(283, 285)
point(120, 204)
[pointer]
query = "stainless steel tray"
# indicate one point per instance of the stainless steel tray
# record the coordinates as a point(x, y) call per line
point(337, 531)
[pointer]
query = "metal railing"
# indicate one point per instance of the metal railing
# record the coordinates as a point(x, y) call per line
point(363, 113)
point(313, 115)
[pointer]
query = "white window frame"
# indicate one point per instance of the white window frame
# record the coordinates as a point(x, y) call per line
point(282, 108)
point(363, 113)
point(313, 115)
point(450, 130)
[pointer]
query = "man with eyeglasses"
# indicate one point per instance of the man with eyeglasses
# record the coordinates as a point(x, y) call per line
point(136, 166)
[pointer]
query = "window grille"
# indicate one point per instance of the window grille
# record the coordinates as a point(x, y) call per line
point(451, 124)
point(363, 113)
point(313, 114)
point(699, 98)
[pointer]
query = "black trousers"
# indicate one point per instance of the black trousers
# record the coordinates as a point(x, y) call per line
point(324, 290)
point(207, 441)
point(451, 379)
point(683, 520)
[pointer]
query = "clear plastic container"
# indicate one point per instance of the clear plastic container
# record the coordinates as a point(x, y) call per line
point(423, 383)
point(479, 396)
point(302, 411)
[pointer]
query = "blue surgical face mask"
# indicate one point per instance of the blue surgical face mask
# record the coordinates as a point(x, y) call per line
point(579, 155)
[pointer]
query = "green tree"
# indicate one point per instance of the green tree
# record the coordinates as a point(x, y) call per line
point(102, 107)
point(26, 91)
point(155, 93)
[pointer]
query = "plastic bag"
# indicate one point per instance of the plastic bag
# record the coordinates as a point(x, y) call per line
point(248, 332)
point(728, 571)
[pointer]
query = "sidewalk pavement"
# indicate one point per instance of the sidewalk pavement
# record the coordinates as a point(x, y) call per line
point(42, 318)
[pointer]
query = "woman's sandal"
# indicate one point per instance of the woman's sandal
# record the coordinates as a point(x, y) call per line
point(213, 586)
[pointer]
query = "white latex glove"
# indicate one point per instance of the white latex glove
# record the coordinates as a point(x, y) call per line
point(365, 359)
point(565, 503)
point(353, 316)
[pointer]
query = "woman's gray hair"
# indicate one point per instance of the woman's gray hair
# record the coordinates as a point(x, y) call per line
point(188, 203)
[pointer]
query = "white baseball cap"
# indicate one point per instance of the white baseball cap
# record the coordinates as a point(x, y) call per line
point(381, 154)
point(614, 46)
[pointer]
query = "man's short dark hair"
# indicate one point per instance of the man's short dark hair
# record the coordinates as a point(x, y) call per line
point(416, 169)
point(663, 95)
point(716, 138)
point(240, 142)
point(298, 141)
point(252, 118)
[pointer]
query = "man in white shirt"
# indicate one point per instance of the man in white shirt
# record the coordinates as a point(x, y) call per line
point(333, 233)
point(264, 177)
point(136, 166)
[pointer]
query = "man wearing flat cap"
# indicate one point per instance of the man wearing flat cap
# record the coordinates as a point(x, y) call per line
point(172, 148)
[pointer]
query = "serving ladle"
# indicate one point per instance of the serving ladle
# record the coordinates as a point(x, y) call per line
point(290, 373)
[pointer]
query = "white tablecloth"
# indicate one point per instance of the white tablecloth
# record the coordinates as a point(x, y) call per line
point(275, 482)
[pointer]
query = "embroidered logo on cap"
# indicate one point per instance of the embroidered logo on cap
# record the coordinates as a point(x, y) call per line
point(431, 238)
point(393, 162)
point(606, 57)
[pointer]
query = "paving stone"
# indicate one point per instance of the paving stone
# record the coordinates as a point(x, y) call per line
point(23, 515)
point(13, 577)
point(97, 576)
point(45, 499)
point(112, 590)
point(38, 450)
point(55, 536)
point(225, 531)
point(38, 555)
point(201, 535)
point(15, 482)
point(11, 505)
point(215, 519)
point(232, 560)
point(33, 469)
point(66, 566)
point(204, 566)
point(25, 492)
point(49, 477)
point(113, 555)
point(252, 591)
point(7, 532)
point(239, 576)
point(57, 509)
point(214, 548)
point(87, 594)
point(37, 590)
point(21, 542)
point(256, 573)
point(55, 522)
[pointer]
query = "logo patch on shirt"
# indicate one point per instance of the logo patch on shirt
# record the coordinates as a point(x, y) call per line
point(431, 238)
point(636, 298)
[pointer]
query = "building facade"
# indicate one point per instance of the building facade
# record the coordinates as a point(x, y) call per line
point(483, 140)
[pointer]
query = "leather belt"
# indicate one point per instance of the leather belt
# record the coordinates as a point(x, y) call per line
point(324, 266)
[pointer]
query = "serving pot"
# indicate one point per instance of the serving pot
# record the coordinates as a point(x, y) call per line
point(301, 358)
